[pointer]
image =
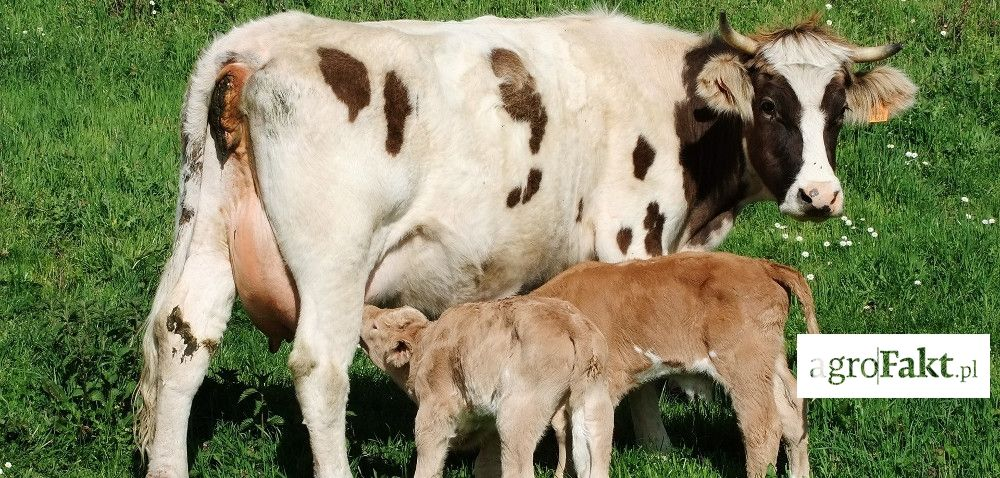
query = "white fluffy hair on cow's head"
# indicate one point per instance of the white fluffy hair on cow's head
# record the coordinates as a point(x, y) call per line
point(793, 89)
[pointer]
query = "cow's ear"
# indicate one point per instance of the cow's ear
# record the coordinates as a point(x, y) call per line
point(400, 354)
point(879, 94)
point(725, 85)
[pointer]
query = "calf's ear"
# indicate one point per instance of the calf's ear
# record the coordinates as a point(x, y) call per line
point(879, 94)
point(400, 354)
point(725, 85)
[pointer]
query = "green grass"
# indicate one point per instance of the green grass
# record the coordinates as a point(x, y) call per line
point(90, 95)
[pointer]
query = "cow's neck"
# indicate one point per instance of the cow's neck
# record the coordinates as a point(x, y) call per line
point(717, 179)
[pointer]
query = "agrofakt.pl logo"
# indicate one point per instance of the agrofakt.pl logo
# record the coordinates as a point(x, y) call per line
point(893, 365)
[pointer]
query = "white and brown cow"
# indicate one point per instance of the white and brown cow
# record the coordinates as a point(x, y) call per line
point(327, 164)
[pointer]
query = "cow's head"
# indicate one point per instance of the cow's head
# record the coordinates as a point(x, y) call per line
point(389, 336)
point(793, 90)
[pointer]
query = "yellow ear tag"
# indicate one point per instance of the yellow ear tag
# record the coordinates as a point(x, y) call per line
point(879, 113)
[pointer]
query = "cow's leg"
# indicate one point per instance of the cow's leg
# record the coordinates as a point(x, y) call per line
point(325, 342)
point(183, 331)
point(644, 406)
point(794, 425)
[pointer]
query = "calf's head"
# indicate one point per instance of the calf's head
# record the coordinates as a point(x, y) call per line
point(793, 89)
point(389, 336)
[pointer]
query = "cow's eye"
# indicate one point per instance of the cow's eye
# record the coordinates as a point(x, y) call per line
point(767, 107)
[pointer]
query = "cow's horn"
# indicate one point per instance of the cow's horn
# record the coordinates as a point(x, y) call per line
point(734, 38)
point(874, 53)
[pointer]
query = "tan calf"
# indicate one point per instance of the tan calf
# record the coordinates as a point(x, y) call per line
point(512, 363)
point(698, 314)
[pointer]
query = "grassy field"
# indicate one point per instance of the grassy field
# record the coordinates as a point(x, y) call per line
point(90, 95)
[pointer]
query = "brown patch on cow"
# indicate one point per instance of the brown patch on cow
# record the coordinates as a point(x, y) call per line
point(211, 345)
point(642, 157)
point(624, 239)
point(186, 215)
point(654, 229)
point(347, 77)
point(177, 325)
point(711, 147)
point(397, 109)
point(514, 197)
point(518, 92)
point(579, 210)
point(701, 235)
point(534, 182)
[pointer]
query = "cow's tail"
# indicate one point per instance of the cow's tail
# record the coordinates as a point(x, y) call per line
point(792, 281)
point(199, 159)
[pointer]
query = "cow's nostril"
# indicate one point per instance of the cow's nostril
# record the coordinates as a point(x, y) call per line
point(804, 197)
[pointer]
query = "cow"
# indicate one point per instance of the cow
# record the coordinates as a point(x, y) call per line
point(498, 370)
point(328, 164)
point(700, 317)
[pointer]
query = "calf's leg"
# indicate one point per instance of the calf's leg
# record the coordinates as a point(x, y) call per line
point(433, 428)
point(592, 422)
point(794, 424)
point(520, 424)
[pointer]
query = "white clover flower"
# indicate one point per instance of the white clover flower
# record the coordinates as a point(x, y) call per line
point(25, 32)
point(993, 221)
point(871, 229)
point(828, 23)
point(828, 6)
point(965, 199)
point(843, 218)
point(944, 33)
point(829, 263)
point(151, 2)
point(891, 309)
point(874, 234)
point(968, 216)
point(848, 222)
point(826, 243)
point(155, 12)
point(917, 282)
point(784, 236)
point(862, 219)
point(843, 238)
point(890, 146)
point(777, 225)
point(799, 238)
point(843, 243)
point(7, 465)
point(985, 221)
point(913, 20)
point(805, 253)
point(850, 243)
point(810, 277)
point(925, 163)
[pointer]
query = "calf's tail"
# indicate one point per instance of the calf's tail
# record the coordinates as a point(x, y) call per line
point(792, 280)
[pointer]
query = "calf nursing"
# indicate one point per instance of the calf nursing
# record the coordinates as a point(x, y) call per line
point(692, 315)
point(517, 361)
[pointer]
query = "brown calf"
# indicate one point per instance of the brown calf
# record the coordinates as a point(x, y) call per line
point(516, 360)
point(713, 314)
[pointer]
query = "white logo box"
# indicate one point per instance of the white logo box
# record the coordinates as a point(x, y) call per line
point(893, 365)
